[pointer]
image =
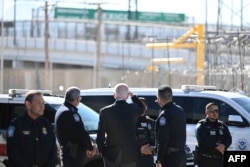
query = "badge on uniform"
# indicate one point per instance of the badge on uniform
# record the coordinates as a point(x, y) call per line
point(212, 133)
point(162, 121)
point(221, 132)
point(143, 124)
point(44, 131)
point(76, 117)
point(26, 132)
point(11, 131)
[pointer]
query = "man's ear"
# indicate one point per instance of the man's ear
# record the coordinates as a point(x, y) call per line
point(27, 104)
point(206, 112)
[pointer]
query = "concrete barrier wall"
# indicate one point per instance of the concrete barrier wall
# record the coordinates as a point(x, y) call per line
point(83, 78)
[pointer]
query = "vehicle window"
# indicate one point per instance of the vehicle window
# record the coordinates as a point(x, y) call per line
point(243, 102)
point(185, 104)
point(19, 111)
point(226, 110)
point(49, 111)
point(153, 107)
point(199, 109)
point(97, 102)
point(8, 112)
point(90, 117)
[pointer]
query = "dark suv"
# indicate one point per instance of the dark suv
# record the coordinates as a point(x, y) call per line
point(12, 105)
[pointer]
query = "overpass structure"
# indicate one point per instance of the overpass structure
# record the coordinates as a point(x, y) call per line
point(70, 52)
point(67, 52)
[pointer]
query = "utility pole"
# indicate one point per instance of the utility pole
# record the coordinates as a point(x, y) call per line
point(98, 44)
point(136, 19)
point(98, 47)
point(129, 18)
point(14, 39)
point(46, 48)
point(241, 16)
point(1, 51)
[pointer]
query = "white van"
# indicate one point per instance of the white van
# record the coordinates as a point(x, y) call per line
point(234, 108)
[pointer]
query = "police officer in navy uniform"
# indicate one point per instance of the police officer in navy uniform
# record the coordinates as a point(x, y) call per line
point(146, 138)
point(31, 140)
point(170, 131)
point(74, 140)
point(213, 138)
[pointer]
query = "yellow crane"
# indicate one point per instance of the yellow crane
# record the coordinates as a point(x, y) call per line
point(198, 31)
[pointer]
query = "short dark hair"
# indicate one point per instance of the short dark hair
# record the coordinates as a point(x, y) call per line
point(210, 104)
point(165, 92)
point(30, 95)
point(72, 93)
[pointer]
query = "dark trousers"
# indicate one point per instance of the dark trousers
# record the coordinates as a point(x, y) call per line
point(68, 161)
point(209, 162)
point(175, 159)
point(118, 162)
point(145, 161)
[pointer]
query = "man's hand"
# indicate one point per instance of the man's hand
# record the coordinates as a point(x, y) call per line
point(130, 94)
point(220, 148)
point(91, 153)
point(158, 165)
point(147, 149)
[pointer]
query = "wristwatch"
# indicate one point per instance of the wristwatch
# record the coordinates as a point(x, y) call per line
point(157, 161)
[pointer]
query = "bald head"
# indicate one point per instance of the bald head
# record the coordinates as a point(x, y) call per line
point(121, 91)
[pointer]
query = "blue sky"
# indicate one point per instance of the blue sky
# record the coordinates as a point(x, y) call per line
point(194, 9)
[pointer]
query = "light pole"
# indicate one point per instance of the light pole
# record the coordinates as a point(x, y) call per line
point(14, 39)
point(1, 51)
point(46, 48)
point(98, 47)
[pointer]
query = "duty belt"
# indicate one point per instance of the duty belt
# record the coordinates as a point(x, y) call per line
point(216, 157)
point(174, 149)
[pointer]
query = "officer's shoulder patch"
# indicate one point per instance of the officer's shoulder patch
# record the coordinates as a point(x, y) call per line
point(221, 122)
point(202, 121)
point(76, 117)
point(162, 121)
point(11, 131)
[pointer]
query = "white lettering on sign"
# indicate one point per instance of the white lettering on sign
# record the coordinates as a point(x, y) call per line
point(235, 158)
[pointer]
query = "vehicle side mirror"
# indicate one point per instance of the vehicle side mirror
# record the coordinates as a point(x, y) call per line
point(235, 120)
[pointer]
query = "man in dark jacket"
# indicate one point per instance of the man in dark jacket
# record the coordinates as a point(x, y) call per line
point(30, 137)
point(170, 131)
point(74, 139)
point(118, 122)
point(213, 138)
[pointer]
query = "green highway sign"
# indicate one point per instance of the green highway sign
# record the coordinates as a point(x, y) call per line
point(114, 15)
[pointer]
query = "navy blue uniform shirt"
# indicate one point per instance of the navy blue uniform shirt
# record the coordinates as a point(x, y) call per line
point(31, 142)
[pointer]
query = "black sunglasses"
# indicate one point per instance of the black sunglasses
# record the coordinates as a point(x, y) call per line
point(214, 111)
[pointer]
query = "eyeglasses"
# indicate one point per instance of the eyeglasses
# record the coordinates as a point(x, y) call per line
point(214, 111)
point(80, 98)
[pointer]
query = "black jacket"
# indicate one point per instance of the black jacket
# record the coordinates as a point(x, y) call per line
point(70, 129)
point(209, 134)
point(31, 142)
point(118, 121)
point(170, 129)
point(145, 131)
